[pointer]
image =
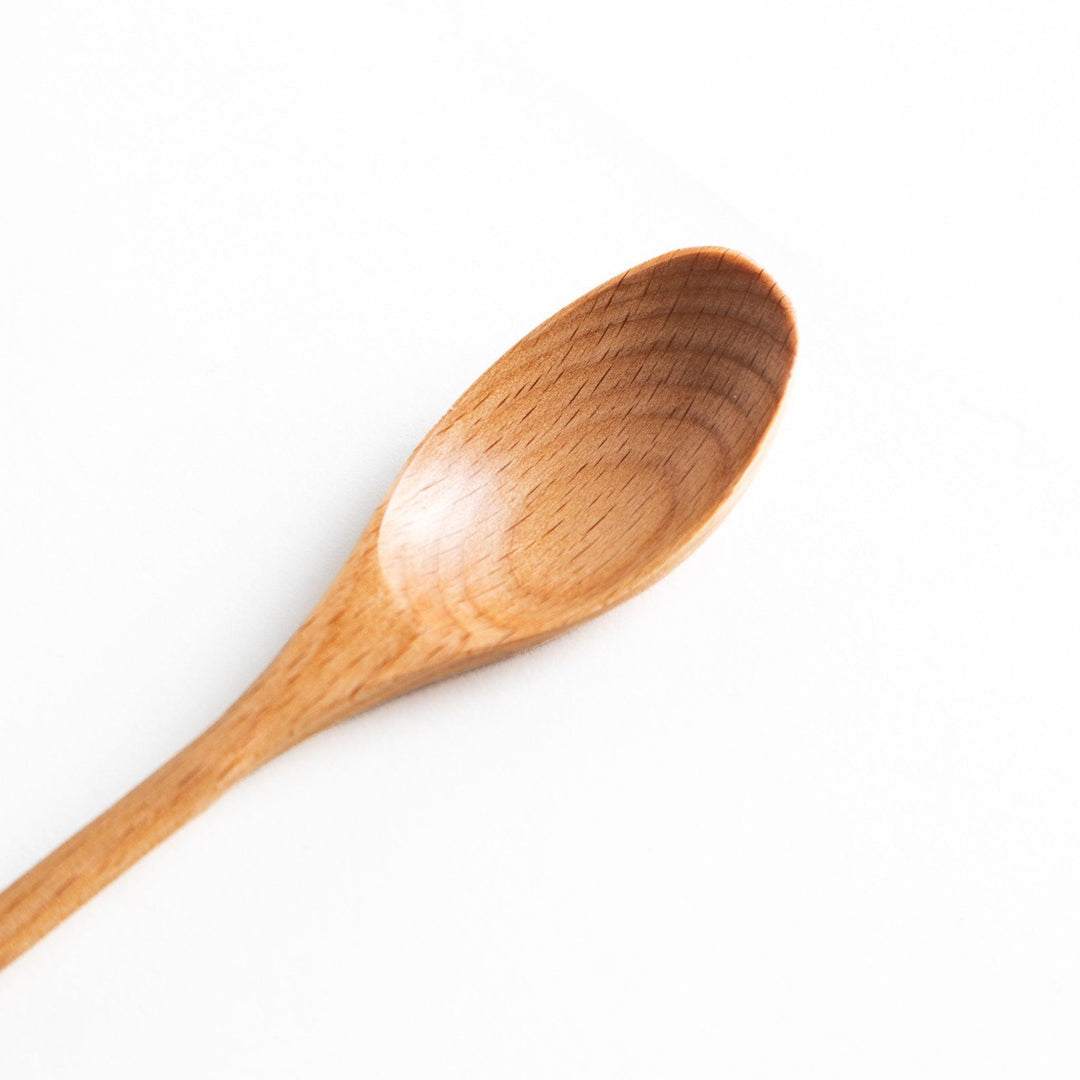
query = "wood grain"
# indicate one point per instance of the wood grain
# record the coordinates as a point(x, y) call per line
point(578, 469)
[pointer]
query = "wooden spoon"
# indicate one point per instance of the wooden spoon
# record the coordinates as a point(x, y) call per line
point(583, 465)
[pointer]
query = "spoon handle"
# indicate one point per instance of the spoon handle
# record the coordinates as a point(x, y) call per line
point(337, 664)
point(185, 785)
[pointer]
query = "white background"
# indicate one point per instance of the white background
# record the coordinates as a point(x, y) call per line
point(809, 807)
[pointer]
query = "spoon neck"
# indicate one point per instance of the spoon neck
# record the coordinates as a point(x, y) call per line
point(353, 652)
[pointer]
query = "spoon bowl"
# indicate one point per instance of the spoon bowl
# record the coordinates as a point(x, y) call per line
point(584, 464)
point(593, 455)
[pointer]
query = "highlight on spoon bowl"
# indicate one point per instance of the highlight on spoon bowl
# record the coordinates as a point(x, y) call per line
point(579, 468)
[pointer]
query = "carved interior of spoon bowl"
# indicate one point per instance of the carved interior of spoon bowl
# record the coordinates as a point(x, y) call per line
point(594, 453)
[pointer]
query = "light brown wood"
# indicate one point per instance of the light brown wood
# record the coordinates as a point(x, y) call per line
point(573, 473)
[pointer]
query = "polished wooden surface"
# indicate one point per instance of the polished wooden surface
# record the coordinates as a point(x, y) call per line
point(584, 464)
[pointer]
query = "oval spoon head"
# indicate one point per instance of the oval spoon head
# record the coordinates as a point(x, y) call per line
point(592, 457)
